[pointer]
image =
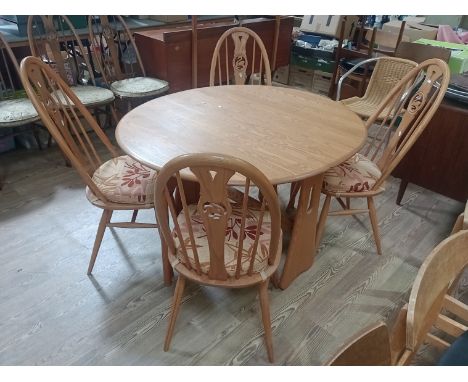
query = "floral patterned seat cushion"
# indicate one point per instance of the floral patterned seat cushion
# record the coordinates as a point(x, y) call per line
point(357, 174)
point(125, 180)
point(230, 241)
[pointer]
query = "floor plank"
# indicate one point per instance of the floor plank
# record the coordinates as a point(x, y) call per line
point(52, 313)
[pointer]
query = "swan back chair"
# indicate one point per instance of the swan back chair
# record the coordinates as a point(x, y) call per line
point(407, 110)
point(222, 237)
point(240, 58)
point(120, 183)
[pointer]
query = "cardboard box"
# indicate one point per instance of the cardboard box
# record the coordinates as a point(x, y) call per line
point(458, 62)
point(413, 31)
point(322, 81)
point(329, 25)
point(300, 77)
point(281, 75)
point(168, 18)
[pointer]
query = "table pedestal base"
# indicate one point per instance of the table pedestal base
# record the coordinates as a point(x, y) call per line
point(302, 248)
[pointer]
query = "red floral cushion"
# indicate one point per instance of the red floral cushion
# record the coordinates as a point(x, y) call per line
point(357, 174)
point(230, 240)
point(125, 180)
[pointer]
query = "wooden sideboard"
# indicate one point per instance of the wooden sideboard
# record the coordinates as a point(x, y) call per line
point(438, 160)
point(167, 52)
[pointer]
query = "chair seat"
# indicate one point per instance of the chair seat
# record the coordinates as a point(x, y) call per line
point(89, 95)
point(17, 112)
point(125, 180)
point(364, 107)
point(230, 240)
point(139, 87)
point(357, 174)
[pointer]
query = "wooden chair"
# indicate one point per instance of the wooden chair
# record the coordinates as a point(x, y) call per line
point(430, 305)
point(118, 61)
point(54, 40)
point(232, 62)
point(371, 347)
point(16, 110)
point(409, 105)
point(120, 183)
point(387, 73)
point(220, 237)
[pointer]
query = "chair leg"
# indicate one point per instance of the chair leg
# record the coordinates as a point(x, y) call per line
point(105, 218)
point(134, 215)
point(375, 224)
point(265, 306)
point(401, 191)
point(168, 272)
point(179, 290)
point(322, 220)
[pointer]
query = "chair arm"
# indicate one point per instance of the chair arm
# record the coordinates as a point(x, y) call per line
point(344, 76)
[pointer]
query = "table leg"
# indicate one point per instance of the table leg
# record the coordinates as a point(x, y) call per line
point(302, 248)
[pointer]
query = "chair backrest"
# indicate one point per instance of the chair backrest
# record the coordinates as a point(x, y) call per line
point(240, 55)
point(420, 52)
point(408, 107)
point(231, 231)
point(66, 118)
point(117, 56)
point(7, 76)
point(429, 301)
point(371, 347)
point(388, 71)
point(54, 40)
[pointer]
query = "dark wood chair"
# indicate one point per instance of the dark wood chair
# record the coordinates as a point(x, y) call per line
point(55, 41)
point(118, 60)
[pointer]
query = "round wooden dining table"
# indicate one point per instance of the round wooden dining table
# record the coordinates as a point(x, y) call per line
point(290, 135)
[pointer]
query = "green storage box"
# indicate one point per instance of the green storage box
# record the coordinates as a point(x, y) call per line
point(458, 62)
point(314, 63)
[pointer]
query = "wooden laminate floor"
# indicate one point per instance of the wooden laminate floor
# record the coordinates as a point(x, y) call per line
point(52, 313)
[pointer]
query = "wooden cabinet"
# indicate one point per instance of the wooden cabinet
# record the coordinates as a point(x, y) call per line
point(167, 52)
point(438, 160)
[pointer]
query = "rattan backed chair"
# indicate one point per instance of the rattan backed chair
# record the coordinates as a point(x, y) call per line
point(118, 60)
point(405, 112)
point(55, 41)
point(240, 58)
point(120, 183)
point(388, 71)
point(221, 237)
